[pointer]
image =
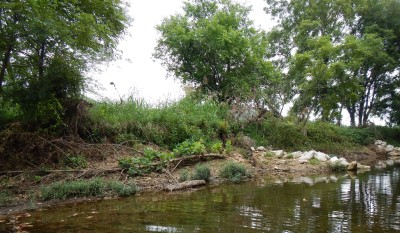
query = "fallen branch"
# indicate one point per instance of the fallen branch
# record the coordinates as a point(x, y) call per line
point(185, 185)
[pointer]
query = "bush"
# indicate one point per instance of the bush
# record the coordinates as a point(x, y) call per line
point(86, 188)
point(78, 161)
point(234, 172)
point(201, 172)
point(190, 147)
point(145, 164)
point(337, 167)
point(6, 198)
point(184, 175)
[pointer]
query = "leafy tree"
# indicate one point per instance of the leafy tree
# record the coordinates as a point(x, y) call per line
point(47, 46)
point(339, 54)
point(214, 47)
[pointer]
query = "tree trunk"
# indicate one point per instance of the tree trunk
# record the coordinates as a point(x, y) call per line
point(41, 54)
point(4, 65)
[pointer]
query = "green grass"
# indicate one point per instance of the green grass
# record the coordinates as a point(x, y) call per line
point(6, 198)
point(201, 172)
point(234, 172)
point(86, 188)
point(165, 125)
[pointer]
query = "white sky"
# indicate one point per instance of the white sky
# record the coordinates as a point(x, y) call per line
point(136, 73)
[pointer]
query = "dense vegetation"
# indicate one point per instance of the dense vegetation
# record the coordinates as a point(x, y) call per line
point(322, 57)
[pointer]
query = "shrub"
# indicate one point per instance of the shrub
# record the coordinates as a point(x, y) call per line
point(234, 172)
point(5, 198)
point(201, 172)
point(190, 147)
point(78, 161)
point(86, 188)
point(184, 175)
point(145, 164)
point(314, 161)
point(337, 167)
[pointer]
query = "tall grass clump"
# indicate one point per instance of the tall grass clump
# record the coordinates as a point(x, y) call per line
point(201, 172)
point(165, 125)
point(6, 198)
point(234, 172)
point(86, 188)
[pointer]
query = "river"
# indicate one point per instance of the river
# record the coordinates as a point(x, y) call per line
point(368, 202)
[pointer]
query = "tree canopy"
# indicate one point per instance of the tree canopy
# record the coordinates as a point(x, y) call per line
point(215, 47)
point(338, 55)
point(47, 46)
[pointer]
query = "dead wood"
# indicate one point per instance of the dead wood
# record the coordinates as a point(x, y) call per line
point(185, 185)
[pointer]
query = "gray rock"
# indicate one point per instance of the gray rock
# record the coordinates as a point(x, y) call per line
point(307, 155)
point(278, 153)
point(395, 152)
point(343, 161)
point(246, 142)
point(362, 167)
point(297, 154)
point(261, 148)
point(252, 149)
point(333, 160)
point(389, 148)
point(380, 143)
point(321, 156)
point(352, 166)
point(389, 162)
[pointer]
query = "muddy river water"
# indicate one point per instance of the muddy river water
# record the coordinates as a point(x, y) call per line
point(368, 202)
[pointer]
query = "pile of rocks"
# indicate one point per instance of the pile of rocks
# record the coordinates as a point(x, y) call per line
point(305, 157)
point(389, 149)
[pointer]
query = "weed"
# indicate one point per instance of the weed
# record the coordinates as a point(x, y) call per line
point(146, 163)
point(313, 161)
point(234, 172)
point(6, 198)
point(190, 147)
point(184, 175)
point(86, 188)
point(337, 167)
point(269, 154)
point(201, 172)
point(77, 161)
point(217, 147)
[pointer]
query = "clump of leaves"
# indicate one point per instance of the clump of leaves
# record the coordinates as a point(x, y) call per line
point(190, 147)
point(146, 163)
point(234, 172)
point(75, 161)
point(202, 172)
point(217, 147)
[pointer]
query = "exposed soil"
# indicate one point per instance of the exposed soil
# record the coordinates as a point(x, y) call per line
point(255, 162)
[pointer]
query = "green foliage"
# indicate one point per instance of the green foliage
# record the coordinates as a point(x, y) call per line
point(166, 125)
point(269, 154)
point(314, 161)
point(234, 172)
point(77, 161)
point(86, 188)
point(145, 164)
point(201, 172)
point(184, 175)
point(345, 56)
point(217, 147)
point(44, 60)
point(6, 198)
point(215, 46)
point(190, 147)
point(337, 167)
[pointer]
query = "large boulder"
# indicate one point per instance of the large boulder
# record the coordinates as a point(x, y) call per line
point(380, 143)
point(322, 156)
point(261, 148)
point(297, 154)
point(352, 166)
point(278, 153)
point(389, 148)
point(307, 155)
point(395, 152)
